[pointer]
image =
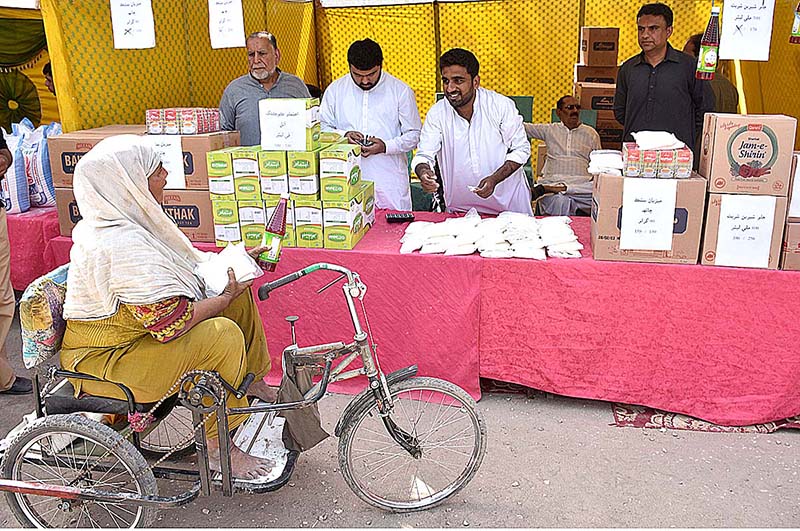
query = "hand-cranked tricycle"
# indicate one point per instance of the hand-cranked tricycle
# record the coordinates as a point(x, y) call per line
point(406, 443)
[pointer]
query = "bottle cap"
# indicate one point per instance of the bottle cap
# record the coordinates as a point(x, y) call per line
point(715, 10)
point(285, 195)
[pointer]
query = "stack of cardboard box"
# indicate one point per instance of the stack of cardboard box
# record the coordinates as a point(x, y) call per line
point(329, 204)
point(595, 80)
point(748, 163)
point(189, 207)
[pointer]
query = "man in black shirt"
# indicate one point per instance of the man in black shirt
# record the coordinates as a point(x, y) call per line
point(656, 89)
point(10, 384)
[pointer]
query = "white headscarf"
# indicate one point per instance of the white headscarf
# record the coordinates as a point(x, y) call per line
point(126, 249)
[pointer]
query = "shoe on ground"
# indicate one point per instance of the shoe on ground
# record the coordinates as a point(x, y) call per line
point(21, 386)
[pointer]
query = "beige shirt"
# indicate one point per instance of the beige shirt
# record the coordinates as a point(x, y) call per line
point(568, 152)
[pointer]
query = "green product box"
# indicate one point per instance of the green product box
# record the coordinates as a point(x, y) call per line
point(226, 222)
point(344, 222)
point(273, 174)
point(327, 138)
point(303, 175)
point(368, 203)
point(269, 208)
point(220, 175)
point(251, 221)
point(308, 224)
point(340, 172)
point(245, 173)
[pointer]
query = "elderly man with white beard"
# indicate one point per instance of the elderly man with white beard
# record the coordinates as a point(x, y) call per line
point(238, 109)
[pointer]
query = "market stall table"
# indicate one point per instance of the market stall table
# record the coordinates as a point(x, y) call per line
point(714, 343)
point(28, 236)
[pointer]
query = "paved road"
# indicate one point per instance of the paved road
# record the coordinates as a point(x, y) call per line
point(551, 462)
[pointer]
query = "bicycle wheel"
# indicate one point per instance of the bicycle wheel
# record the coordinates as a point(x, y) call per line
point(173, 430)
point(451, 434)
point(71, 450)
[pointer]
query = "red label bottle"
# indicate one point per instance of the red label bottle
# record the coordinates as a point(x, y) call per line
point(273, 236)
point(794, 38)
point(709, 48)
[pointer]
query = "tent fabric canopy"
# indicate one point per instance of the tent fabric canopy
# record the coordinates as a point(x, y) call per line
point(21, 42)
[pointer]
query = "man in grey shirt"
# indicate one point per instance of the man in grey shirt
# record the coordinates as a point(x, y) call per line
point(238, 109)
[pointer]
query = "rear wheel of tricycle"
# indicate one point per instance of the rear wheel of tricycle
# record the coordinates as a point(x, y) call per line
point(74, 451)
point(448, 439)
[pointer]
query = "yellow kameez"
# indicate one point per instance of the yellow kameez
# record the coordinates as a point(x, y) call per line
point(121, 349)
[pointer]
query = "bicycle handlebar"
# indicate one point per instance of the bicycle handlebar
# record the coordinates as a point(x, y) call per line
point(263, 291)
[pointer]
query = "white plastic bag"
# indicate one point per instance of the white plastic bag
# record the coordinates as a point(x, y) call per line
point(214, 271)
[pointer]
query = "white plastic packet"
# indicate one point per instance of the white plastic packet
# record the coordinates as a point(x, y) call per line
point(214, 271)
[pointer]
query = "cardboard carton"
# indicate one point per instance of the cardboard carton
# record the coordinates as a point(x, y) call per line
point(195, 148)
point(610, 132)
point(252, 219)
point(790, 256)
point(68, 213)
point(191, 211)
point(710, 240)
point(747, 154)
point(246, 180)
point(303, 169)
point(340, 172)
point(343, 222)
point(219, 165)
point(599, 46)
point(226, 222)
point(595, 74)
point(793, 214)
point(308, 224)
point(273, 173)
point(598, 97)
point(607, 220)
point(368, 203)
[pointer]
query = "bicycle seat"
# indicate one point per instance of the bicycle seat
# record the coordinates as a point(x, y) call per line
point(62, 401)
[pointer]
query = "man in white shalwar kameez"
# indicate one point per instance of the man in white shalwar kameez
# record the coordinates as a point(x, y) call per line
point(378, 111)
point(479, 140)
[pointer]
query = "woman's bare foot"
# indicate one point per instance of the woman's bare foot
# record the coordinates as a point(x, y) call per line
point(262, 391)
point(243, 466)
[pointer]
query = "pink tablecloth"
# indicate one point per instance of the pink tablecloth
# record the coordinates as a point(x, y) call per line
point(28, 235)
point(715, 343)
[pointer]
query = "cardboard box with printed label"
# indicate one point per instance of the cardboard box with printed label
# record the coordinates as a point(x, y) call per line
point(289, 239)
point(368, 203)
point(303, 168)
point(599, 46)
point(220, 175)
point(607, 221)
point(595, 74)
point(308, 224)
point(246, 180)
point(68, 213)
point(226, 222)
point(343, 222)
point(610, 133)
point(793, 214)
point(191, 211)
point(289, 124)
point(747, 154)
point(739, 232)
point(273, 173)
point(67, 149)
point(598, 97)
point(790, 256)
point(252, 219)
point(340, 172)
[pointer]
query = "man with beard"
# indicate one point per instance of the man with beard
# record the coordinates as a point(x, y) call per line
point(238, 109)
point(478, 138)
point(569, 143)
point(376, 110)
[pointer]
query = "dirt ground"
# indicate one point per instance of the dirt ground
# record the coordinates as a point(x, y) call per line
point(551, 462)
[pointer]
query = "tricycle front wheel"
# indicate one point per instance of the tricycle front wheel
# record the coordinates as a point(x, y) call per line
point(446, 429)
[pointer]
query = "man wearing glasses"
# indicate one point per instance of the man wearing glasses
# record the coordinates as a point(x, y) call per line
point(565, 188)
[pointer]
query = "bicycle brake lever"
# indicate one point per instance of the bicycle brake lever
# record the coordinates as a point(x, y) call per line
point(331, 283)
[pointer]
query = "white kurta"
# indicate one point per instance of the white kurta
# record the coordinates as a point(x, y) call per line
point(388, 111)
point(470, 151)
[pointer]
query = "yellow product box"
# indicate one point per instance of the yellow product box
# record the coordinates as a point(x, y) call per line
point(340, 172)
point(330, 137)
point(303, 169)
point(289, 124)
point(368, 203)
point(245, 173)
point(252, 220)
point(220, 175)
point(226, 222)
point(342, 223)
point(289, 238)
point(273, 174)
point(308, 224)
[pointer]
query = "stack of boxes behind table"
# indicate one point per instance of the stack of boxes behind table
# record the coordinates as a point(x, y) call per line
point(737, 204)
point(186, 199)
point(595, 79)
point(330, 205)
